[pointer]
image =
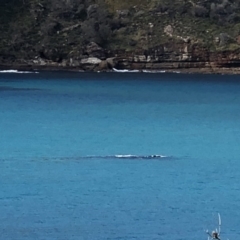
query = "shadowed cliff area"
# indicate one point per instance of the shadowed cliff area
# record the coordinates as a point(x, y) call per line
point(101, 34)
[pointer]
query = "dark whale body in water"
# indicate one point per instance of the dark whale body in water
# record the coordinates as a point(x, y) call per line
point(128, 156)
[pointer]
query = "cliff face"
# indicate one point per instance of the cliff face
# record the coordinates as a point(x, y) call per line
point(133, 34)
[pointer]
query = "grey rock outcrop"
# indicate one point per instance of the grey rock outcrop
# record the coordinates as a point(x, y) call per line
point(94, 50)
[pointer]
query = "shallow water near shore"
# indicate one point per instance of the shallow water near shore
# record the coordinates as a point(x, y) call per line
point(77, 155)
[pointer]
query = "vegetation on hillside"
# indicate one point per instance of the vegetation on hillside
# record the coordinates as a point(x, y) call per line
point(59, 29)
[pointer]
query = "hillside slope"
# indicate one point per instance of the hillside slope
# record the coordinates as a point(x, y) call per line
point(138, 34)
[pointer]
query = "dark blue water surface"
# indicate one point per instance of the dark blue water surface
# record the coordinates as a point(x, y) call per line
point(60, 178)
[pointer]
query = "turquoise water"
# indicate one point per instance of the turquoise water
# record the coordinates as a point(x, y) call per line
point(50, 123)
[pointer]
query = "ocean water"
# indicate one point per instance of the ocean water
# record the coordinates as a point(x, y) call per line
point(60, 178)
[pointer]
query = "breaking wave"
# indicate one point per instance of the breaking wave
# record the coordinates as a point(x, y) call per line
point(125, 70)
point(143, 71)
point(154, 71)
point(15, 71)
point(159, 71)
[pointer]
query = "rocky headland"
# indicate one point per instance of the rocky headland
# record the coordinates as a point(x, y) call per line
point(99, 35)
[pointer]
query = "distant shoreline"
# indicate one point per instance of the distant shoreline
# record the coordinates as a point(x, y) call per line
point(34, 68)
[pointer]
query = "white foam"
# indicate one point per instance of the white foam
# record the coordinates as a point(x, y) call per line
point(124, 70)
point(144, 71)
point(162, 156)
point(154, 71)
point(15, 71)
point(125, 156)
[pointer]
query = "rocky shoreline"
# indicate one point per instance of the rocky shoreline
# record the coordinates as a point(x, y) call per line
point(182, 58)
point(34, 68)
point(164, 67)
